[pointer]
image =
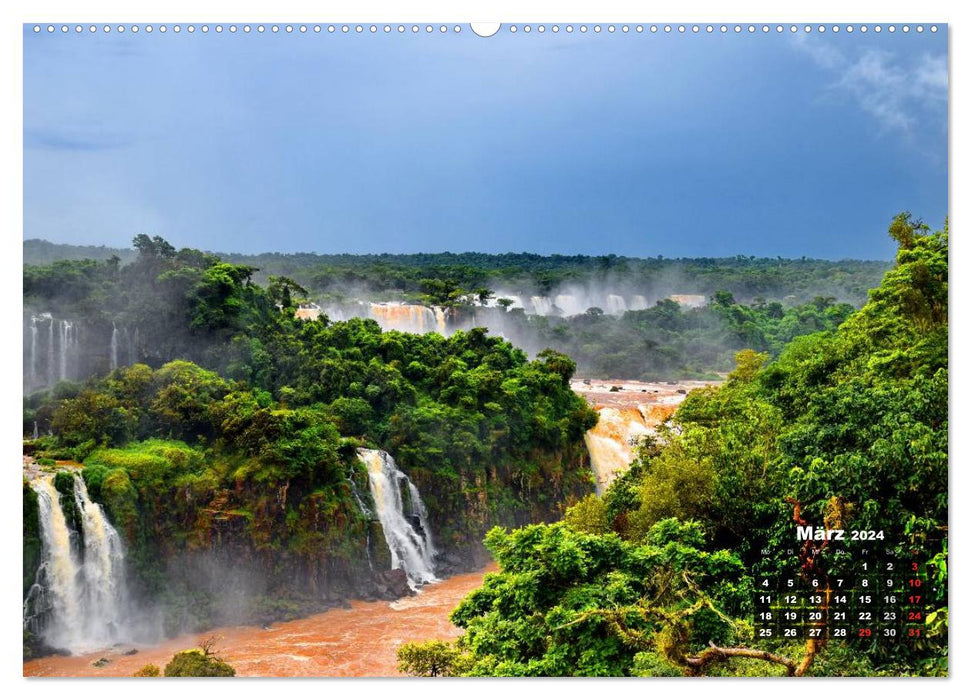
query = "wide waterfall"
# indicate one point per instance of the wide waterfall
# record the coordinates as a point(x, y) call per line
point(408, 318)
point(62, 349)
point(403, 517)
point(53, 352)
point(79, 599)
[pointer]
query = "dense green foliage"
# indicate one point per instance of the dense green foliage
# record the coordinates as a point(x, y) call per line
point(433, 277)
point(851, 425)
point(668, 341)
point(431, 659)
point(197, 663)
point(562, 596)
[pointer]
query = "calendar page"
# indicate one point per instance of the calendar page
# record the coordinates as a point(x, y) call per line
point(436, 349)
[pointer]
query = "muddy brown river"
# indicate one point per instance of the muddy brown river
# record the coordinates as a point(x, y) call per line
point(358, 641)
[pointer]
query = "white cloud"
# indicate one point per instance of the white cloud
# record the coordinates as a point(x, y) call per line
point(897, 90)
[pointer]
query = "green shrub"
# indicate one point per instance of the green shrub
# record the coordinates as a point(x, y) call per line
point(197, 663)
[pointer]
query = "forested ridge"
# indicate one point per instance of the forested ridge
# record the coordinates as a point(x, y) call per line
point(755, 303)
point(744, 276)
point(847, 428)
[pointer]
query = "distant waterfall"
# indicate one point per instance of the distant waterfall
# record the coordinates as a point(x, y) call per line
point(73, 350)
point(67, 351)
point(53, 355)
point(114, 347)
point(51, 375)
point(541, 305)
point(33, 352)
point(616, 304)
point(408, 318)
point(401, 511)
point(79, 599)
point(440, 319)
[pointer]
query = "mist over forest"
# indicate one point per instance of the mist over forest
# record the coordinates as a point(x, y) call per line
point(618, 317)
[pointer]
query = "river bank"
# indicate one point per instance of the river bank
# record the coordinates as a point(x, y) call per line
point(360, 640)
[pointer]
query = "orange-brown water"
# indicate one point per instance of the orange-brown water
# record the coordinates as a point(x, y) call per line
point(359, 641)
point(409, 318)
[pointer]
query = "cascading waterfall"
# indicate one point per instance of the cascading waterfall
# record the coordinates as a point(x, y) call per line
point(541, 306)
point(114, 346)
point(439, 319)
point(408, 318)
point(79, 600)
point(53, 604)
point(616, 304)
point(33, 351)
point(53, 356)
point(103, 569)
point(569, 304)
point(67, 351)
point(613, 441)
point(51, 376)
point(411, 549)
point(61, 349)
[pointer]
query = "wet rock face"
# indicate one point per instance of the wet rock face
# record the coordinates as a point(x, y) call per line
point(392, 584)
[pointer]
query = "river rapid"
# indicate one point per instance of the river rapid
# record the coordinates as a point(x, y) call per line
point(357, 641)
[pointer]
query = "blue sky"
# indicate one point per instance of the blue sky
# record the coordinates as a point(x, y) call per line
point(638, 144)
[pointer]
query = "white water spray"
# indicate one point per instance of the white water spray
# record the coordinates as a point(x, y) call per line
point(411, 549)
point(114, 346)
point(57, 591)
point(79, 600)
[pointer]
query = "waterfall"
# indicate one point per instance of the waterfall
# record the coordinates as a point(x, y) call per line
point(33, 352)
point(55, 353)
point(569, 304)
point(541, 306)
point(612, 442)
point(616, 305)
point(439, 319)
point(411, 549)
point(56, 592)
point(51, 376)
point(114, 346)
point(103, 569)
point(64, 329)
point(67, 349)
point(79, 599)
point(407, 318)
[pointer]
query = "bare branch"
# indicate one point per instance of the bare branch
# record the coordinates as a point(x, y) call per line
point(697, 664)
